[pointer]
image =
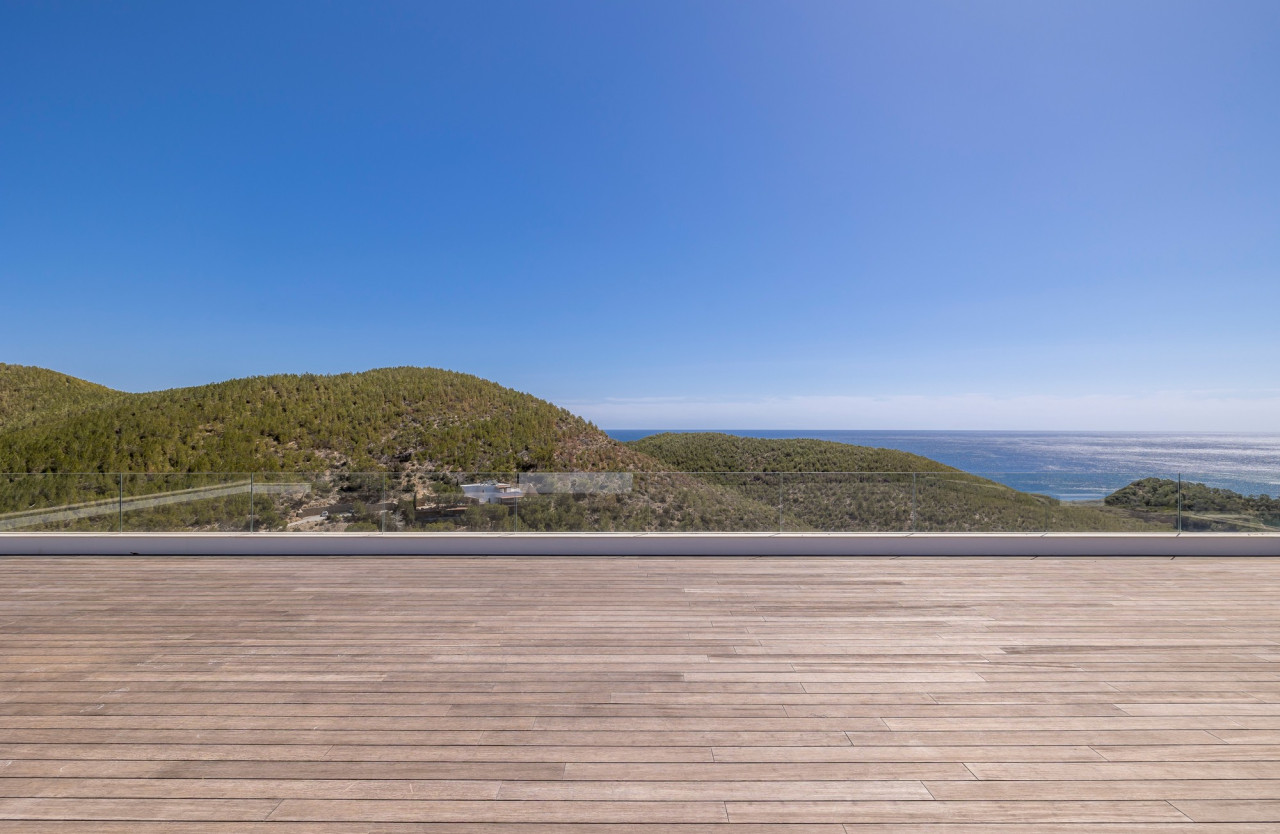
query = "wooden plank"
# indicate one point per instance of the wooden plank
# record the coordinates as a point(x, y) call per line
point(765, 771)
point(1191, 753)
point(521, 811)
point(1095, 789)
point(136, 809)
point(167, 787)
point(1104, 771)
point(244, 769)
point(1231, 810)
point(924, 813)
point(912, 753)
point(694, 790)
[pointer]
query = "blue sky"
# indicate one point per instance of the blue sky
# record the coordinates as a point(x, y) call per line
point(874, 215)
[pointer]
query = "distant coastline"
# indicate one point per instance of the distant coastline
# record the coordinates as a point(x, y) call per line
point(1072, 466)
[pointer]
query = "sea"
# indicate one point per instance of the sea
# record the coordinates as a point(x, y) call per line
point(1071, 466)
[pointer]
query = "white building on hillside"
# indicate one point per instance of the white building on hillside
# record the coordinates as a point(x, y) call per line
point(492, 492)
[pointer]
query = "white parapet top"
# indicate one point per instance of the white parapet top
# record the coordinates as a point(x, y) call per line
point(641, 544)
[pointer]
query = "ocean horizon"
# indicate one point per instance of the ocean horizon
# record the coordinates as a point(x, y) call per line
point(1068, 465)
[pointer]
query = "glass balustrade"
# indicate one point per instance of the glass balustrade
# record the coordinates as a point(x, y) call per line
point(586, 502)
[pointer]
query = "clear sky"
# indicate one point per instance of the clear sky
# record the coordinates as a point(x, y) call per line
point(791, 214)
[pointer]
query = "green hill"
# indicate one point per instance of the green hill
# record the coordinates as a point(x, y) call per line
point(1197, 506)
point(823, 485)
point(392, 418)
point(716, 452)
point(27, 393)
point(394, 437)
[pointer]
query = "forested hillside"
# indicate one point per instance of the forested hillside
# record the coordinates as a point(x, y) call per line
point(392, 418)
point(27, 393)
point(419, 431)
point(390, 448)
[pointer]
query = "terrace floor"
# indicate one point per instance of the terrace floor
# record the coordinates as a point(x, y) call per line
point(635, 696)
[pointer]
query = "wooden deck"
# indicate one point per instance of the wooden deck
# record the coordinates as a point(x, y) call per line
point(635, 696)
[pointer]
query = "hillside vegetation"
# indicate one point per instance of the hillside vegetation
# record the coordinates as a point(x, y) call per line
point(716, 452)
point(420, 431)
point(390, 448)
point(28, 393)
point(392, 418)
point(1200, 507)
point(823, 485)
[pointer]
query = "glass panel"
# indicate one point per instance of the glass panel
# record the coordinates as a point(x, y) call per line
point(580, 502)
point(486, 502)
point(58, 502)
point(667, 495)
point(1105, 502)
point(292, 502)
point(1210, 505)
point(356, 502)
point(338, 500)
point(439, 504)
point(965, 503)
point(713, 502)
point(1075, 488)
point(195, 502)
point(400, 497)
point(847, 502)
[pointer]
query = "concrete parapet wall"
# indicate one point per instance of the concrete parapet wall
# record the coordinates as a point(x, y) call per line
point(641, 544)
